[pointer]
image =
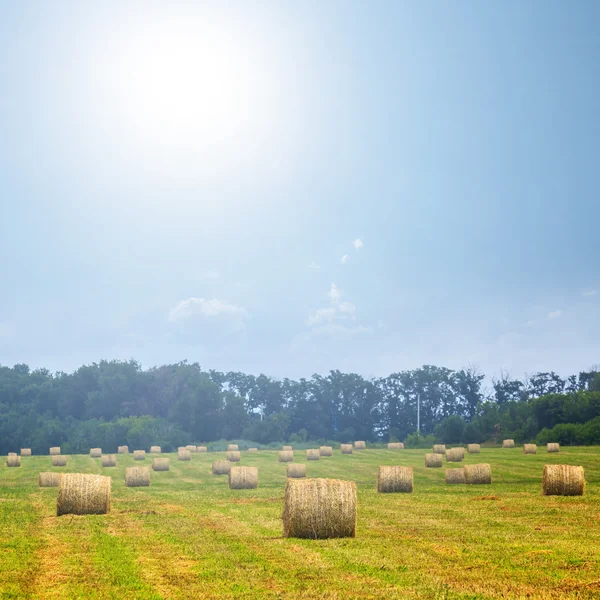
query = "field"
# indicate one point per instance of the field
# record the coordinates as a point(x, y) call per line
point(189, 536)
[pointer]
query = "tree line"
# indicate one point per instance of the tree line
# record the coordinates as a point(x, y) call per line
point(114, 402)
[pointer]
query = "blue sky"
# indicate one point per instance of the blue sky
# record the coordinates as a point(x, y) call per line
point(183, 180)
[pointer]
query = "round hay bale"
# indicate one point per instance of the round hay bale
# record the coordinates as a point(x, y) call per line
point(296, 470)
point(243, 478)
point(191, 448)
point(55, 451)
point(395, 446)
point(137, 476)
point(313, 454)
point(563, 480)
point(552, 447)
point(287, 449)
point(25, 451)
point(252, 449)
point(49, 479)
point(155, 450)
point(529, 449)
point(96, 453)
point(13, 461)
point(439, 448)
point(326, 450)
point(184, 454)
point(11, 454)
point(508, 443)
point(201, 449)
point(221, 467)
point(455, 454)
point(455, 476)
point(81, 494)
point(433, 460)
point(234, 456)
point(109, 460)
point(286, 456)
point(346, 448)
point(395, 480)
point(232, 448)
point(478, 474)
point(319, 508)
point(160, 464)
point(473, 448)
point(59, 460)
point(123, 450)
point(139, 455)
point(361, 445)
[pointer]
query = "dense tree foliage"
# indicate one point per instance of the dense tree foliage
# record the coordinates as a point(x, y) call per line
point(114, 402)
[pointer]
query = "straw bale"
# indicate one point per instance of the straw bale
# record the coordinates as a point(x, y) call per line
point(13, 461)
point(529, 449)
point(395, 446)
point(49, 479)
point(286, 456)
point(455, 476)
point(360, 445)
point(184, 454)
point(296, 470)
point(25, 451)
point(433, 460)
point(395, 479)
point(160, 464)
point(346, 448)
point(109, 460)
point(243, 478)
point(563, 480)
point(455, 454)
point(96, 453)
point(155, 450)
point(234, 456)
point(82, 494)
point(552, 447)
point(137, 476)
point(478, 474)
point(59, 460)
point(139, 455)
point(232, 448)
point(313, 454)
point(326, 450)
point(123, 450)
point(508, 443)
point(221, 467)
point(473, 448)
point(439, 449)
point(55, 451)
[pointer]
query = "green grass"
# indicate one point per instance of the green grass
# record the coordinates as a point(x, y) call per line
point(189, 536)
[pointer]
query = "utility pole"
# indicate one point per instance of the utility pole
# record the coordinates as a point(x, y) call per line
point(418, 412)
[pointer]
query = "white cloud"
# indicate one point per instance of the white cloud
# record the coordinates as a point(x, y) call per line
point(314, 266)
point(206, 308)
point(555, 314)
point(347, 310)
point(358, 243)
point(322, 315)
point(588, 293)
point(344, 259)
point(335, 293)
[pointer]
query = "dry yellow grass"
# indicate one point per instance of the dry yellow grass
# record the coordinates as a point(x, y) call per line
point(82, 494)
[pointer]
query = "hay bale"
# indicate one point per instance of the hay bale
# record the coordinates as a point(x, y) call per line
point(243, 478)
point(326, 450)
point(395, 480)
point(234, 456)
point(360, 445)
point(455, 476)
point(529, 449)
point(478, 474)
point(473, 448)
point(455, 454)
point(96, 453)
point(11, 454)
point(55, 451)
point(433, 460)
point(109, 460)
point(123, 450)
point(346, 448)
point(221, 467)
point(508, 443)
point(319, 508)
point(287, 449)
point(184, 454)
point(139, 455)
point(160, 464)
point(395, 446)
point(81, 494)
point(232, 448)
point(59, 460)
point(286, 456)
point(13, 461)
point(563, 480)
point(49, 479)
point(137, 476)
point(201, 449)
point(191, 448)
point(25, 451)
point(296, 470)
point(155, 450)
point(552, 447)
point(439, 448)
point(252, 449)
point(313, 454)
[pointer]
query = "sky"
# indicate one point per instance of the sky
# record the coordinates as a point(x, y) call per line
point(292, 187)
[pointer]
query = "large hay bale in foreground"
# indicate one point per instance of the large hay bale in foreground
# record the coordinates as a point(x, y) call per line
point(59, 460)
point(155, 450)
point(346, 448)
point(160, 464)
point(395, 480)
point(137, 476)
point(232, 448)
point(286, 456)
point(326, 450)
point(234, 456)
point(529, 449)
point(49, 479)
point(395, 446)
point(360, 445)
point(473, 448)
point(221, 467)
point(139, 455)
point(25, 451)
point(439, 449)
point(201, 449)
point(433, 460)
point(455, 454)
point(313, 454)
point(552, 447)
point(478, 474)
point(13, 461)
point(123, 450)
point(563, 480)
point(508, 443)
point(455, 476)
point(296, 470)
point(109, 460)
point(243, 478)
point(96, 453)
point(287, 448)
point(184, 454)
point(54, 451)
point(82, 494)
point(319, 508)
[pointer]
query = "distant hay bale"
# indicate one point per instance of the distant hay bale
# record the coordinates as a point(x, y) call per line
point(287, 448)
point(81, 494)
point(439, 449)
point(201, 449)
point(346, 448)
point(395, 480)
point(184, 454)
point(296, 470)
point(232, 448)
point(11, 454)
point(59, 460)
point(55, 451)
point(191, 448)
point(137, 476)
point(478, 474)
point(455, 454)
point(160, 464)
point(326, 450)
point(252, 449)
point(313, 454)
point(25, 451)
point(155, 450)
point(243, 478)
point(139, 455)
point(286, 456)
point(455, 476)
point(96, 453)
point(529, 449)
point(221, 467)
point(473, 448)
point(234, 456)
point(563, 480)
point(361, 445)
point(49, 479)
point(123, 450)
point(395, 446)
point(552, 447)
point(433, 460)
point(13, 461)
point(319, 508)
point(109, 460)
point(508, 443)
